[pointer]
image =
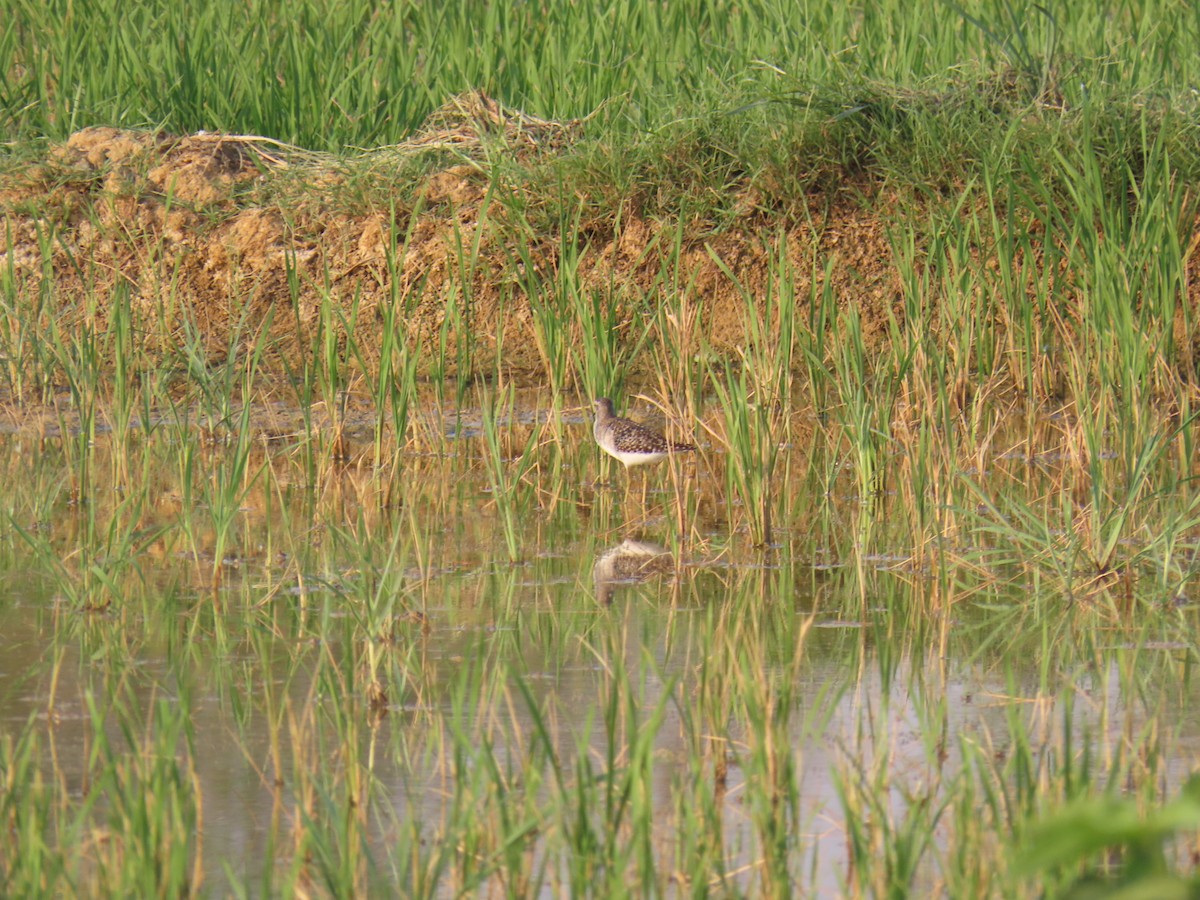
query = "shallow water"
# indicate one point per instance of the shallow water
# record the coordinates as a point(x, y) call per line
point(365, 627)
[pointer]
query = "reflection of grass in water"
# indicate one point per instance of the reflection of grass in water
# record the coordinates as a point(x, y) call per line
point(345, 669)
point(507, 470)
point(421, 712)
point(1107, 528)
point(368, 636)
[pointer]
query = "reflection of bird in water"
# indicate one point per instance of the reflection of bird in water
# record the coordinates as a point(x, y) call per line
point(630, 562)
point(631, 443)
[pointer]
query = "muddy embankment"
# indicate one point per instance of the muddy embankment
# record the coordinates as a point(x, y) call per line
point(193, 229)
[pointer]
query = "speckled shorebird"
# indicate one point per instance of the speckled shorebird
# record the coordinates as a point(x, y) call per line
point(631, 443)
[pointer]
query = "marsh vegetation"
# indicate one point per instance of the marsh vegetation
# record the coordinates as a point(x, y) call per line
point(316, 583)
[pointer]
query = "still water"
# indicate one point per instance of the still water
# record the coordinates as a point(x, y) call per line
point(318, 638)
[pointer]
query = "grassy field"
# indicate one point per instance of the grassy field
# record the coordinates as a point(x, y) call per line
point(680, 99)
point(316, 584)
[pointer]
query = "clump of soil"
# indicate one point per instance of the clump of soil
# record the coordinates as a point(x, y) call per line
point(195, 230)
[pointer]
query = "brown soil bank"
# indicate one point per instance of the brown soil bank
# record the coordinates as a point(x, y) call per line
point(247, 241)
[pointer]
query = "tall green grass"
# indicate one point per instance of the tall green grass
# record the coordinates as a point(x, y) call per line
point(692, 92)
point(970, 609)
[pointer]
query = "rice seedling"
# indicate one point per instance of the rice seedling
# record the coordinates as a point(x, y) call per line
point(547, 298)
point(506, 472)
point(755, 398)
point(811, 341)
point(604, 350)
point(680, 331)
point(25, 353)
point(1100, 542)
point(395, 386)
point(29, 816)
point(864, 409)
point(149, 793)
point(953, 404)
point(752, 450)
point(395, 389)
point(333, 337)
